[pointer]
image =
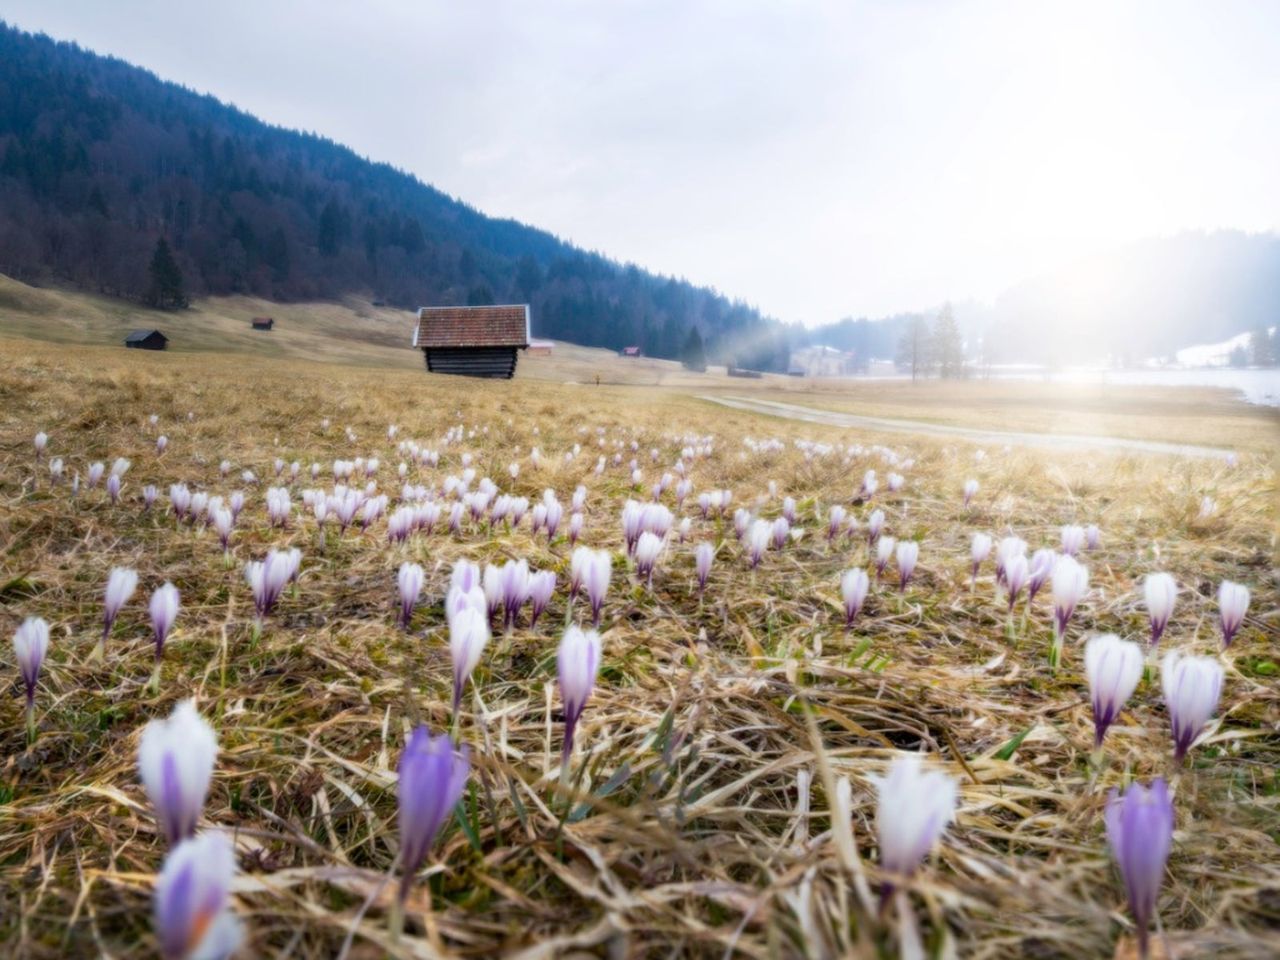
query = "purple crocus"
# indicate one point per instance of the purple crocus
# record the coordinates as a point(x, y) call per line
point(468, 636)
point(908, 553)
point(853, 591)
point(1160, 592)
point(121, 583)
point(702, 557)
point(164, 611)
point(914, 807)
point(1113, 668)
point(541, 586)
point(577, 662)
point(268, 578)
point(192, 910)
point(1140, 833)
point(30, 646)
point(1192, 686)
point(1233, 604)
point(175, 762)
point(433, 774)
point(409, 586)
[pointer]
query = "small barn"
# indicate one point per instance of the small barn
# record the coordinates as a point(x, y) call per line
point(631, 352)
point(473, 341)
point(263, 323)
point(146, 340)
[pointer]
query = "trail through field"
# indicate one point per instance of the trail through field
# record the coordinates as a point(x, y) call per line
point(833, 418)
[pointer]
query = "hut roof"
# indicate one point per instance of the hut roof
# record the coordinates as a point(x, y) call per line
point(137, 336)
point(498, 326)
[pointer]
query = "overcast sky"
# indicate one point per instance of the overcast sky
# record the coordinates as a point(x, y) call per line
point(815, 159)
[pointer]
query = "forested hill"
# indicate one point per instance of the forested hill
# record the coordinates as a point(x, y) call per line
point(99, 160)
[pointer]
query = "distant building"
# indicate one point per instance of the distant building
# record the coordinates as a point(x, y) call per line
point(146, 340)
point(473, 341)
point(540, 348)
point(821, 361)
point(263, 323)
point(631, 352)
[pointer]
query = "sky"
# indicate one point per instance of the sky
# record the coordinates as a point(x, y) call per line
point(815, 159)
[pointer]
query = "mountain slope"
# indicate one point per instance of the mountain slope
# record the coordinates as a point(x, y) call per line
point(99, 159)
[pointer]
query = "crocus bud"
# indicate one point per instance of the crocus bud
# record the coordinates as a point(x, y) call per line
point(30, 646)
point(1016, 573)
point(193, 916)
point(409, 584)
point(41, 443)
point(162, 443)
point(1092, 536)
point(1159, 591)
point(268, 578)
point(468, 635)
point(702, 557)
point(970, 489)
point(223, 524)
point(121, 583)
point(853, 590)
point(595, 581)
point(875, 523)
point(113, 487)
point(835, 521)
point(1040, 569)
point(433, 774)
point(1140, 833)
point(514, 586)
point(148, 496)
point(884, 551)
point(1233, 604)
point(1113, 668)
point(1192, 686)
point(175, 762)
point(779, 532)
point(914, 808)
point(164, 611)
point(979, 550)
point(541, 586)
point(758, 536)
point(1072, 539)
point(1070, 581)
point(908, 553)
point(577, 662)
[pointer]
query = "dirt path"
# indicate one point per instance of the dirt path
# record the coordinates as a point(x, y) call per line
point(832, 418)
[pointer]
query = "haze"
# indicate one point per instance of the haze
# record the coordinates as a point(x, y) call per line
point(815, 159)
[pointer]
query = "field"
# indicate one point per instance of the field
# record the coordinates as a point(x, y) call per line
point(695, 817)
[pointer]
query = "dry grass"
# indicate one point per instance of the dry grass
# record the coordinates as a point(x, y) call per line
point(684, 836)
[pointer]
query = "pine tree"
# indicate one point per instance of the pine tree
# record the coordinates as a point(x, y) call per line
point(166, 290)
point(693, 355)
point(948, 348)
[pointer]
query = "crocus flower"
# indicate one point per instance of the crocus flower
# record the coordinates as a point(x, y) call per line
point(180, 498)
point(41, 443)
point(223, 524)
point(835, 521)
point(1070, 581)
point(121, 583)
point(192, 911)
point(577, 662)
point(514, 584)
point(853, 590)
point(1140, 833)
point(465, 576)
point(95, 474)
point(1159, 590)
point(267, 579)
point(468, 635)
point(875, 523)
point(55, 469)
point(164, 611)
point(1113, 668)
point(648, 548)
point(1072, 539)
point(149, 494)
point(970, 489)
point(595, 581)
point(1016, 573)
point(1092, 536)
point(575, 528)
point(914, 808)
point(979, 550)
point(1008, 548)
point(541, 586)
point(702, 557)
point(908, 553)
point(409, 584)
point(758, 536)
point(175, 762)
point(433, 774)
point(113, 487)
point(884, 550)
point(30, 646)
point(491, 583)
point(162, 443)
point(779, 532)
point(1233, 604)
point(1040, 569)
point(741, 522)
point(1192, 686)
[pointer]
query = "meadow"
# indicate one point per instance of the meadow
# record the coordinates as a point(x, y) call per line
point(722, 796)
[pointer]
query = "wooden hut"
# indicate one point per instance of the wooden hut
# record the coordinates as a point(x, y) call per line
point(146, 340)
point(473, 341)
point(263, 323)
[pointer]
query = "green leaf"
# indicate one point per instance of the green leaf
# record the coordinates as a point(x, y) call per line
point(1008, 750)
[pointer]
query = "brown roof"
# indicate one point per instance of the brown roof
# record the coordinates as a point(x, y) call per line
point(505, 326)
